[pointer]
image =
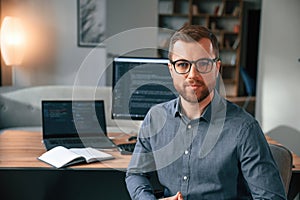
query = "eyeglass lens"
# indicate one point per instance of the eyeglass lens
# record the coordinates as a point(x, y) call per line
point(202, 65)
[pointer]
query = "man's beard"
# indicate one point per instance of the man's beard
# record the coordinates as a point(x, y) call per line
point(195, 98)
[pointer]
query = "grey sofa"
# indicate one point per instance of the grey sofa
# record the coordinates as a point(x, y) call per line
point(21, 107)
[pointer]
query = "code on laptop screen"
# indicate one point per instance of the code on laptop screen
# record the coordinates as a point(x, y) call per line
point(72, 117)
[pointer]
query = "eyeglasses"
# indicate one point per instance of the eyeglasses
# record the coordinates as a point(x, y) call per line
point(203, 65)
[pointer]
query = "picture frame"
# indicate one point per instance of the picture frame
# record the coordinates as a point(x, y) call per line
point(91, 20)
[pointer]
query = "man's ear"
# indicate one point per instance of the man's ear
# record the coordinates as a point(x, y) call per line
point(219, 63)
point(170, 69)
point(219, 67)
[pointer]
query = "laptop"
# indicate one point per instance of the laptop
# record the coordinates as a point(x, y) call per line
point(74, 124)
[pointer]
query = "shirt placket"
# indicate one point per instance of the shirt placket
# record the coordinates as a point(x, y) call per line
point(186, 158)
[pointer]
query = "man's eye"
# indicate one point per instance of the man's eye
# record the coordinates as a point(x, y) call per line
point(203, 64)
point(183, 64)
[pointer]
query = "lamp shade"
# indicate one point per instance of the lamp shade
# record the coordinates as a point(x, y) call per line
point(12, 41)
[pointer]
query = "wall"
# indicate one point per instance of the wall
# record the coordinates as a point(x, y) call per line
point(131, 30)
point(278, 94)
point(52, 55)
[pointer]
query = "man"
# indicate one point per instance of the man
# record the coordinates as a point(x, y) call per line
point(200, 145)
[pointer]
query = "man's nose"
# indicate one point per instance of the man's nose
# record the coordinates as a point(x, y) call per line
point(193, 72)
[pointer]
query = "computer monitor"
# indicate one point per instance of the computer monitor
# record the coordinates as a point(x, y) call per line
point(138, 84)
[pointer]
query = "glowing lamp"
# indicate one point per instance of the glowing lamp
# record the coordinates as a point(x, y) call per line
point(12, 41)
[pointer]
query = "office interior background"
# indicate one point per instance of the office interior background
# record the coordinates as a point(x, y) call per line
point(53, 56)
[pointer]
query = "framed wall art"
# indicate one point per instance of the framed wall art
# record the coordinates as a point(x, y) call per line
point(91, 22)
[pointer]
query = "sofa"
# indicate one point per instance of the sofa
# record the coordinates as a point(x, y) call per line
point(20, 108)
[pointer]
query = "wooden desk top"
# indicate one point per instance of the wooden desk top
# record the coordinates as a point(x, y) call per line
point(21, 149)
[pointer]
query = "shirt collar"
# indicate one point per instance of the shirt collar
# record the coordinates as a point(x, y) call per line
point(215, 105)
point(176, 108)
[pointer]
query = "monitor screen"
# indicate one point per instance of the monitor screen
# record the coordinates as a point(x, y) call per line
point(138, 84)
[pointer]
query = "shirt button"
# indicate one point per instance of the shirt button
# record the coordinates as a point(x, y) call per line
point(186, 152)
point(189, 126)
point(185, 178)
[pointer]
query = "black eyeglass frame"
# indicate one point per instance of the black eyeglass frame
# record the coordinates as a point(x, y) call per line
point(194, 62)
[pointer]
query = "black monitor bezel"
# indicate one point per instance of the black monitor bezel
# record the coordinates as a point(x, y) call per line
point(131, 59)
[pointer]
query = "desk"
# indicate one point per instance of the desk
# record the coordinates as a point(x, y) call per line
point(22, 176)
point(21, 149)
point(25, 177)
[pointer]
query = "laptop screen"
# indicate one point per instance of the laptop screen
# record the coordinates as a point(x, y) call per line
point(72, 118)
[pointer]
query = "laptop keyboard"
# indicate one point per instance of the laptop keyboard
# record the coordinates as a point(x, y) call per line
point(75, 141)
point(78, 142)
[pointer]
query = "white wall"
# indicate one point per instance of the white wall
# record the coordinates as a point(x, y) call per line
point(130, 29)
point(278, 94)
point(52, 55)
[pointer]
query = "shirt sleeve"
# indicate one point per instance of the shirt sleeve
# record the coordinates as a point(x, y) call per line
point(258, 166)
point(141, 168)
point(139, 187)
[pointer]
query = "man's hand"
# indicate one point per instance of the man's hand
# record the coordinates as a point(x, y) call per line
point(178, 196)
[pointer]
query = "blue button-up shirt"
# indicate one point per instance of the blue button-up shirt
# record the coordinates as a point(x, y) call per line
point(221, 155)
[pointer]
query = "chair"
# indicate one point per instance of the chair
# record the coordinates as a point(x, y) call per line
point(284, 160)
point(287, 136)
